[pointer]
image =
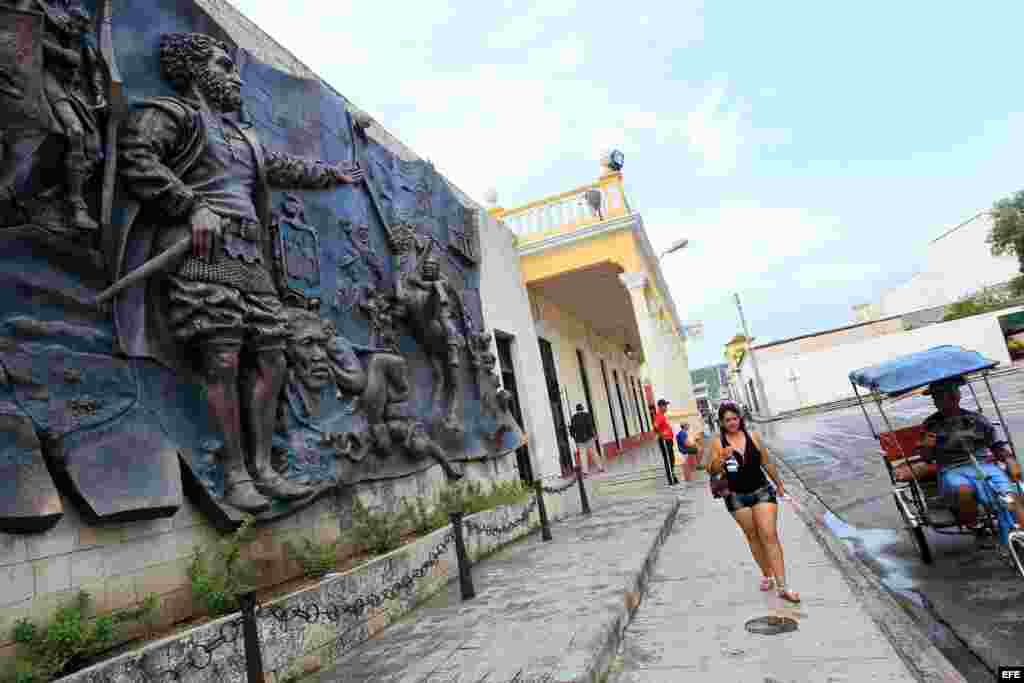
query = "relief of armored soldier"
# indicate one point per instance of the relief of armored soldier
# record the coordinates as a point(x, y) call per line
point(199, 172)
point(75, 83)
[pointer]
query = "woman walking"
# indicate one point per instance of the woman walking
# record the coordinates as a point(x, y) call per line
point(752, 501)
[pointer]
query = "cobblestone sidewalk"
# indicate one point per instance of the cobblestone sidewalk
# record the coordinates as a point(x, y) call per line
point(543, 611)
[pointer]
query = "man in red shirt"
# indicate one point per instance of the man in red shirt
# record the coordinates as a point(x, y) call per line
point(665, 439)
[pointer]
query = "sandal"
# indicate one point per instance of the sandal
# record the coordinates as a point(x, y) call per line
point(767, 583)
point(788, 595)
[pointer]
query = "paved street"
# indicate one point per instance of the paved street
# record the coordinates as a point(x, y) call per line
point(970, 600)
point(690, 626)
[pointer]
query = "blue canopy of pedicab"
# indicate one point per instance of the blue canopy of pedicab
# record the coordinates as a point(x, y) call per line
point(916, 370)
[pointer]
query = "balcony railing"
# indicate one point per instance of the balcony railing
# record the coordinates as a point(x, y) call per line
point(568, 211)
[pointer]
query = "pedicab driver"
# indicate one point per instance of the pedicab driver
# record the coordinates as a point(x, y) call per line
point(949, 435)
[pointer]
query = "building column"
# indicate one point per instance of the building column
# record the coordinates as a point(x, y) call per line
point(664, 356)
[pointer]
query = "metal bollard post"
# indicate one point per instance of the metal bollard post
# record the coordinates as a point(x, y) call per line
point(251, 636)
point(545, 527)
point(583, 491)
point(465, 577)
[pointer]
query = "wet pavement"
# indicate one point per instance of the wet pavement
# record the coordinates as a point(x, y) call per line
point(970, 600)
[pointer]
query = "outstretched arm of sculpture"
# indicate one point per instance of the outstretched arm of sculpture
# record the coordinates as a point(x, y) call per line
point(289, 172)
point(147, 139)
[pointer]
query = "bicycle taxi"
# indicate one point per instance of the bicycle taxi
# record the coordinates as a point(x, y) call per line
point(914, 480)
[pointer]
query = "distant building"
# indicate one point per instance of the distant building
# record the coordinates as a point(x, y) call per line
point(957, 263)
point(811, 369)
point(711, 386)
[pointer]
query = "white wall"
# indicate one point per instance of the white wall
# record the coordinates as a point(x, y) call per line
point(506, 307)
point(567, 333)
point(956, 264)
point(823, 375)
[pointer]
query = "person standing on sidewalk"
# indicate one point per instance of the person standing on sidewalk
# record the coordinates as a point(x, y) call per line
point(687, 451)
point(752, 500)
point(665, 440)
point(585, 436)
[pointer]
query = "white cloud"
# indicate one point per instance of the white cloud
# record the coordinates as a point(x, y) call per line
point(640, 120)
point(457, 82)
point(741, 246)
point(715, 131)
point(812, 275)
point(522, 30)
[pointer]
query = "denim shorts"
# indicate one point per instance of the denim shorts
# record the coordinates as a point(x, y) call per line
point(738, 501)
point(952, 479)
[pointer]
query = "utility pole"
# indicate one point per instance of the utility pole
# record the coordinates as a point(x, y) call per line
point(753, 358)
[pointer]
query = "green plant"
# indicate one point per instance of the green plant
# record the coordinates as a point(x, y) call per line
point(376, 532)
point(1017, 286)
point(986, 300)
point(316, 558)
point(510, 492)
point(425, 520)
point(219, 576)
point(468, 497)
point(73, 635)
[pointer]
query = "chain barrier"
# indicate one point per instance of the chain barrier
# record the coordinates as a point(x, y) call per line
point(504, 528)
point(198, 656)
point(559, 489)
point(311, 611)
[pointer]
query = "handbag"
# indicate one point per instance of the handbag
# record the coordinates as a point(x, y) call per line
point(719, 486)
point(718, 482)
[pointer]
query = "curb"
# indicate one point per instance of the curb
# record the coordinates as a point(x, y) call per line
point(925, 662)
point(599, 662)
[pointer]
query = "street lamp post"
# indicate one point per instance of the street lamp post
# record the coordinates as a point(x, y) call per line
point(753, 358)
point(676, 246)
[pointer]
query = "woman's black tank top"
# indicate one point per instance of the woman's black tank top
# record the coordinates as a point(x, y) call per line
point(749, 477)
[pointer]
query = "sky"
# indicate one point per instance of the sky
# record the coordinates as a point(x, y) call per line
point(808, 151)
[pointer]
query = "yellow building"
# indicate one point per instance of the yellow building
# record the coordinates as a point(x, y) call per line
point(611, 338)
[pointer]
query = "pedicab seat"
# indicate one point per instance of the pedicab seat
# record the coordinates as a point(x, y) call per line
point(900, 444)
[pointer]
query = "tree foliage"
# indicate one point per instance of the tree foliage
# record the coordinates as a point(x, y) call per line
point(984, 301)
point(1007, 234)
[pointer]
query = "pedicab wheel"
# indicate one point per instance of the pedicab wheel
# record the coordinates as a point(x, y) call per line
point(916, 532)
point(1016, 545)
point(921, 541)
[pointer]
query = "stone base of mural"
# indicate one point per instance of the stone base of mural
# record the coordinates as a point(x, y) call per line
point(300, 633)
point(120, 564)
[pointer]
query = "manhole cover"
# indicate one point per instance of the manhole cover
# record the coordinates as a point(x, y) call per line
point(771, 626)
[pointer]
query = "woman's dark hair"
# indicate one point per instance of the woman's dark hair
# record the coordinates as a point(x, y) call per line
point(730, 407)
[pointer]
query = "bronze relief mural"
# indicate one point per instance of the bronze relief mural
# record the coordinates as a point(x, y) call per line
point(216, 283)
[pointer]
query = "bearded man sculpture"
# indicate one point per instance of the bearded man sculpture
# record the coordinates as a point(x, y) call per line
point(198, 170)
